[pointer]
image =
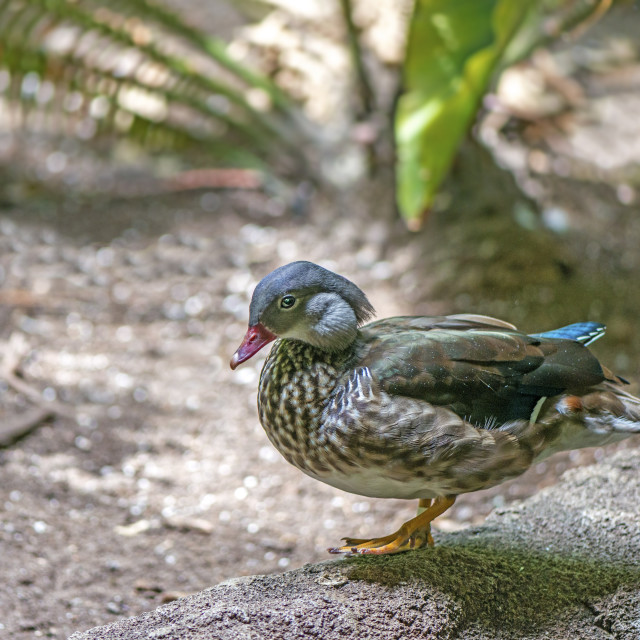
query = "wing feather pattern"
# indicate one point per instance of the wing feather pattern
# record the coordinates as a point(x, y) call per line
point(483, 369)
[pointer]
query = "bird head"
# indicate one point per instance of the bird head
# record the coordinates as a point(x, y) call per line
point(303, 301)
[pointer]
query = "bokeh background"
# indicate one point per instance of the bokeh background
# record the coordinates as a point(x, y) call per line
point(157, 160)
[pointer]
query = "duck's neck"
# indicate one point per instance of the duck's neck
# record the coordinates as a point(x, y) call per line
point(298, 355)
point(296, 382)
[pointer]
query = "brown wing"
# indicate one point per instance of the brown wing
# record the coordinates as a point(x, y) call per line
point(484, 370)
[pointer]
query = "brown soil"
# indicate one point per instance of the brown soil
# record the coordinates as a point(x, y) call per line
point(165, 484)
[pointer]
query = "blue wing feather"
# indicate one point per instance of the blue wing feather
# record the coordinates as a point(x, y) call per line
point(584, 332)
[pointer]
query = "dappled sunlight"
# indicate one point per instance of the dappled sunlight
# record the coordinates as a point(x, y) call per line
point(155, 168)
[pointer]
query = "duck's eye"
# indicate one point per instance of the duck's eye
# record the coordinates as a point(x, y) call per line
point(287, 302)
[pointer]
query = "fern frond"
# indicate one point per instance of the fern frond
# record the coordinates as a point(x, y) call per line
point(139, 59)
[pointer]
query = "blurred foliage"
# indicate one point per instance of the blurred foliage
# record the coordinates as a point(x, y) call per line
point(453, 52)
point(135, 68)
point(95, 68)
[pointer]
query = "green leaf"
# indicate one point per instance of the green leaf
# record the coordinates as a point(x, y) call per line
point(453, 49)
point(132, 53)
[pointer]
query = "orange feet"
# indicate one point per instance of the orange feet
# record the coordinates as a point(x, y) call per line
point(413, 534)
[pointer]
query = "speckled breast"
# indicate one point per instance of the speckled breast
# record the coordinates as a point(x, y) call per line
point(296, 384)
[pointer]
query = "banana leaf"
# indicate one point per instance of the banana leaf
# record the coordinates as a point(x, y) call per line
point(453, 50)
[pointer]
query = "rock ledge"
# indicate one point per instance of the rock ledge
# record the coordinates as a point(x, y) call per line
point(563, 564)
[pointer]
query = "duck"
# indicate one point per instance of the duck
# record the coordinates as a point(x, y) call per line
point(416, 407)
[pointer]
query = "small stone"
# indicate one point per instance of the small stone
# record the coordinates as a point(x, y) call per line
point(332, 579)
point(145, 585)
point(170, 596)
point(199, 525)
point(133, 529)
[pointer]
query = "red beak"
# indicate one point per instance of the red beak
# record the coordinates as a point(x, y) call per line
point(255, 338)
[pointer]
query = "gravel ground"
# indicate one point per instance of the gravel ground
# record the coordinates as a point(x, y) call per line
point(154, 478)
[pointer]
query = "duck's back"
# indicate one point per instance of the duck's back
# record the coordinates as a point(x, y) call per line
point(483, 369)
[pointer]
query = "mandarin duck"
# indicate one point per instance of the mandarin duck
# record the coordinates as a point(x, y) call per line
point(420, 408)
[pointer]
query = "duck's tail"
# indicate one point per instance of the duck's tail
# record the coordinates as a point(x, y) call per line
point(607, 409)
point(604, 415)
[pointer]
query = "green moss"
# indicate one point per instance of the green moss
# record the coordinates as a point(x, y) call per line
point(499, 587)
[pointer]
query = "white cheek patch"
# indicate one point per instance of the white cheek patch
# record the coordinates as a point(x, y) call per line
point(328, 322)
point(332, 312)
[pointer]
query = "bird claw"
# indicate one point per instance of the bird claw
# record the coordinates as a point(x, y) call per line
point(395, 543)
point(413, 534)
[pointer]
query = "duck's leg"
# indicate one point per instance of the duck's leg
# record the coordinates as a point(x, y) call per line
point(411, 535)
point(423, 505)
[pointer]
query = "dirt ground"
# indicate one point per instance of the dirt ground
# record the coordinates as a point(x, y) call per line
point(164, 483)
point(152, 477)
